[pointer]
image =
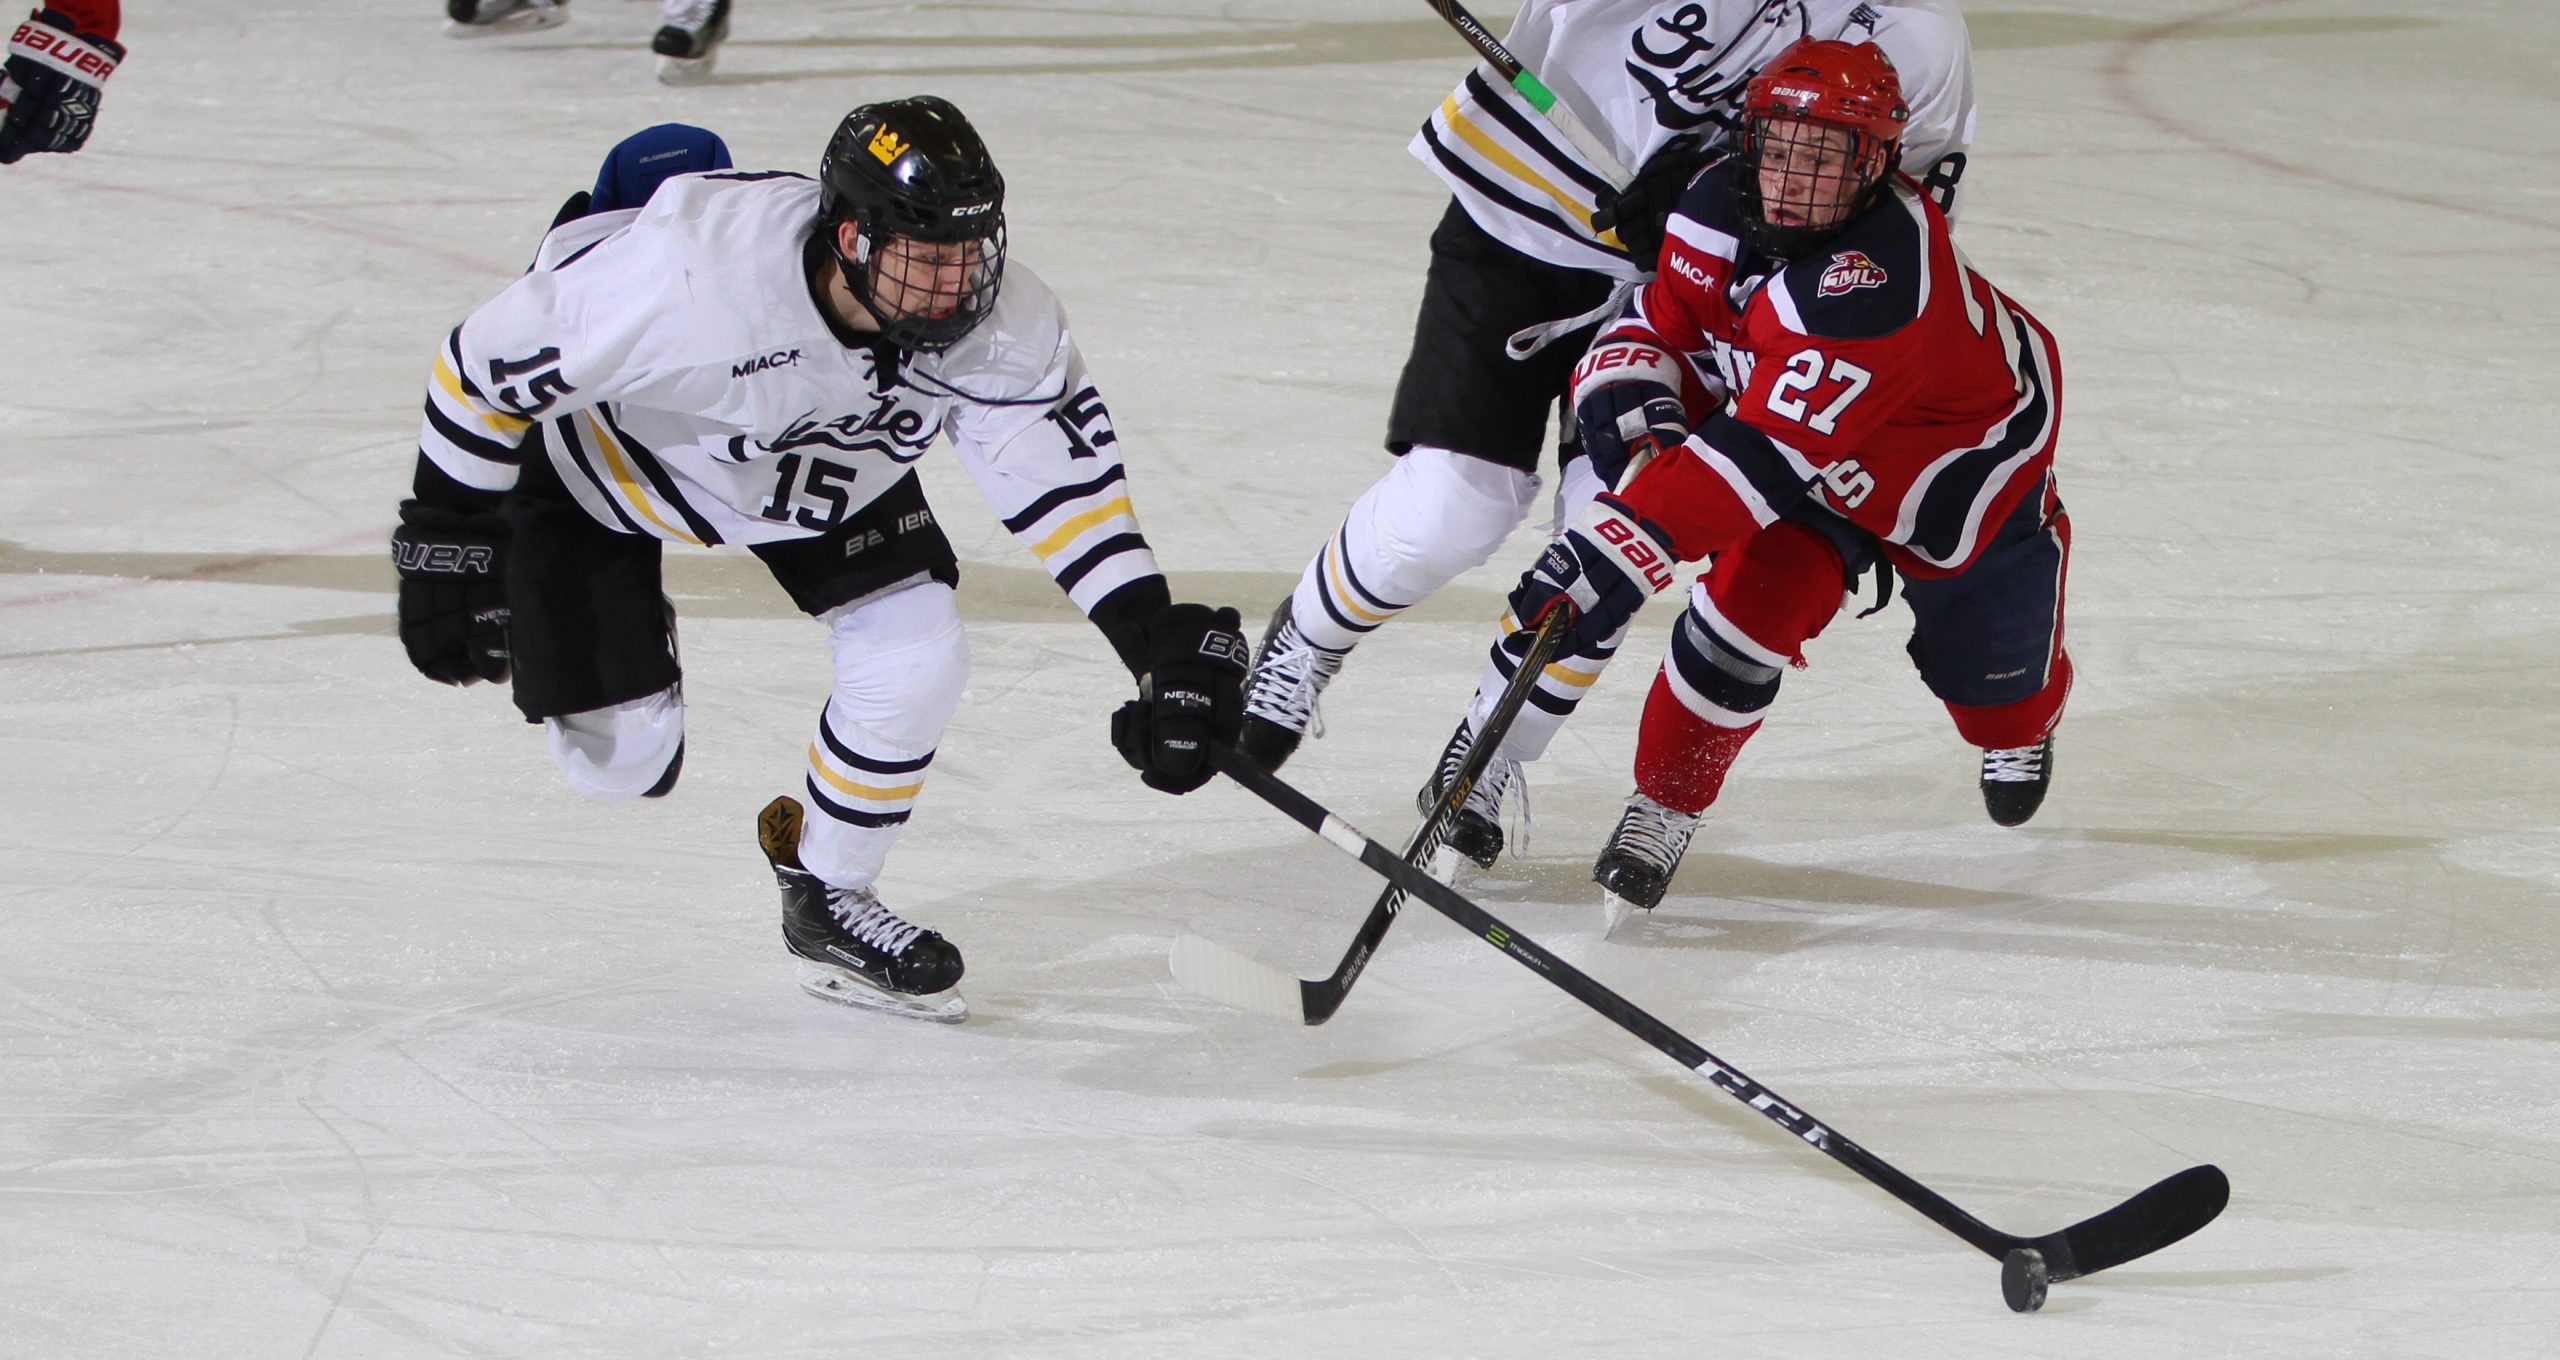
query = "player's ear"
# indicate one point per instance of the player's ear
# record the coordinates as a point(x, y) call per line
point(849, 240)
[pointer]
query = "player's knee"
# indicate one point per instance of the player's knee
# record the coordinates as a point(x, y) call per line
point(619, 752)
point(1720, 674)
point(901, 661)
point(1449, 512)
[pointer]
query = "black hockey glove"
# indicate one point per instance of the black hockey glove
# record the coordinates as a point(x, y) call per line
point(51, 85)
point(1606, 566)
point(453, 592)
point(1637, 213)
point(1191, 695)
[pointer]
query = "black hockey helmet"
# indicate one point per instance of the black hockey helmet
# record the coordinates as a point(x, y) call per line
point(913, 170)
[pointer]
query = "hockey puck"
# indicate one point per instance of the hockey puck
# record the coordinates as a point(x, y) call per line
point(2022, 1279)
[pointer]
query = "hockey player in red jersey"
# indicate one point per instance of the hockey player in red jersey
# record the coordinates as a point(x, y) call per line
point(58, 60)
point(1816, 384)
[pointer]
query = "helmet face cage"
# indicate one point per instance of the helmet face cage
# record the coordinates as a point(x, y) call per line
point(927, 205)
point(1804, 180)
point(1822, 128)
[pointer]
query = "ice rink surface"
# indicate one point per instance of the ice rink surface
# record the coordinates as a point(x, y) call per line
point(333, 1025)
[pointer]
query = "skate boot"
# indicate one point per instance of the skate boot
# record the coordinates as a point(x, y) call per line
point(854, 950)
point(488, 18)
point(2014, 779)
point(689, 36)
point(1635, 867)
point(1280, 695)
point(1476, 832)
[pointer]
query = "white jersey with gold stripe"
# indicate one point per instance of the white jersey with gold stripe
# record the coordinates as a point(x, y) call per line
point(690, 389)
point(1640, 73)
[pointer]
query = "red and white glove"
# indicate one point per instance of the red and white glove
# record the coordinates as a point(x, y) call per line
point(49, 88)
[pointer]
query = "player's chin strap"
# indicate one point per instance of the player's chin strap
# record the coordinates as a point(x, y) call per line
point(1526, 342)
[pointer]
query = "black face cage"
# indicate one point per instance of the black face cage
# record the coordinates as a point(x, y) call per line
point(919, 304)
point(1870, 166)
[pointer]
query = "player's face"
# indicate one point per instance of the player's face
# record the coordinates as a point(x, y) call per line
point(914, 280)
point(1809, 173)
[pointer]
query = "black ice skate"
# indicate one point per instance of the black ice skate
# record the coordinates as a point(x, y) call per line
point(689, 36)
point(1280, 695)
point(1476, 832)
point(1634, 869)
point(2014, 779)
point(488, 18)
point(854, 950)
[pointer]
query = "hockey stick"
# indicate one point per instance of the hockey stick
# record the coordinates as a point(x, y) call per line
point(1541, 98)
point(1247, 983)
point(2150, 1220)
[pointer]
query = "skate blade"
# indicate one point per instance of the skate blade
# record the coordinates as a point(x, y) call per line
point(1615, 911)
point(686, 70)
point(849, 989)
point(1444, 865)
point(523, 21)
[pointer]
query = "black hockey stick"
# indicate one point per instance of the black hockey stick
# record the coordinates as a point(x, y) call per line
point(1534, 90)
point(2153, 1219)
point(1247, 983)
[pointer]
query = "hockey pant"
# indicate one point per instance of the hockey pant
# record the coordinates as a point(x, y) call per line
point(901, 662)
point(1988, 642)
point(1435, 515)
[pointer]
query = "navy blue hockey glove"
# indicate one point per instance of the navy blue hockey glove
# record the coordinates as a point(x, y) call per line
point(51, 84)
point(453, 592)
point(1626, 399)
point(1606, 565)
point(1621, 419)
point(1191, 695)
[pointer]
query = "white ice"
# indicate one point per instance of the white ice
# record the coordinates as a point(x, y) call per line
point(332, 1025)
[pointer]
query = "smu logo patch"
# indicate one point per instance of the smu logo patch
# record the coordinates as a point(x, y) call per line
point(1851, 270)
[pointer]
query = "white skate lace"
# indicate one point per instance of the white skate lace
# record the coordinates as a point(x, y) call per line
point(859, 911)
point(2013, 764)
point(690, 15)
point(1291, 673)
point(1653, 833)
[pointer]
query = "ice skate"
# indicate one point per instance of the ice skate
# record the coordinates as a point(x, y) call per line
point(1280, 695)
point(689, 36)
point(853, 950)
point(1634, 869)
point(489, 18)
point(1476, 832)
point(2014, 780)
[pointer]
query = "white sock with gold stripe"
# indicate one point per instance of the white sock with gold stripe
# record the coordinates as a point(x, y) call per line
point(902, 662)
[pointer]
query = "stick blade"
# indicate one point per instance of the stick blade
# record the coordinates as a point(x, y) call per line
point(2165, 1213)
point(1221, 974)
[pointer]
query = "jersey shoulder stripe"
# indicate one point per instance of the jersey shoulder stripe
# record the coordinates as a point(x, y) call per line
point(1870, 281)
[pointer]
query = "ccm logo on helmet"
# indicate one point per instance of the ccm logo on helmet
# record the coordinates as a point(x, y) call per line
point(974, 210)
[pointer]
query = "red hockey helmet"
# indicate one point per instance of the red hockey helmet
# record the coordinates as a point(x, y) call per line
point(1822, 126)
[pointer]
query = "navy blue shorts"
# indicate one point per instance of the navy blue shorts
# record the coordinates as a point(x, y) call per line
point(1990, 634)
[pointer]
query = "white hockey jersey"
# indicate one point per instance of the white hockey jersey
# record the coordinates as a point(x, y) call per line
point(690, 389)
point(1640, 73)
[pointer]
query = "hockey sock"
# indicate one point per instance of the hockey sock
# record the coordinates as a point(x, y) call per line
point(1681, 758)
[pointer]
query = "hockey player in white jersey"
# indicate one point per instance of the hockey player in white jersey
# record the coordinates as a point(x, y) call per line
point(1535, 249)
point(759, 359)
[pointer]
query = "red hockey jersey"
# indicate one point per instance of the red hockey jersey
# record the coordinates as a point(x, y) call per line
point(1881, 375)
